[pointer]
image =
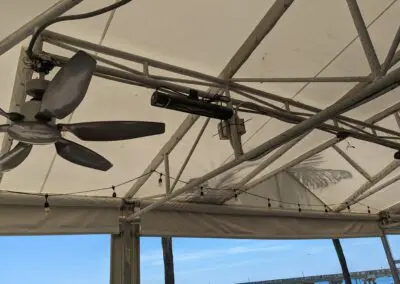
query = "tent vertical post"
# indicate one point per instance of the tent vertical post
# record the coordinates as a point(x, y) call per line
point(116, 272)
point(342, 260)
point(26, 30)
point(390, 259)
point(136, 253)
point(131, 253)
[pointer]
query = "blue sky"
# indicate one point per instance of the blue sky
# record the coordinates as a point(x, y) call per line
point(85, 259)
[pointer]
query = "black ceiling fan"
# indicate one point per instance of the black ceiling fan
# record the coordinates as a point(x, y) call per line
point(36, 124)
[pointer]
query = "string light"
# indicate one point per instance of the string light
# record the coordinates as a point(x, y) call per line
point(160, 180)
point(46, 204)
point(202, 193)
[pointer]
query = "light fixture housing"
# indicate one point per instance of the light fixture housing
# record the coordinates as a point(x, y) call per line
point(190, 104)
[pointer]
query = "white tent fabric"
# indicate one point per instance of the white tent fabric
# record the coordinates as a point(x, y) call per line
point(314, 38)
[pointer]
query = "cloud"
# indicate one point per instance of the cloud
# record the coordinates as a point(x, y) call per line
point(156, 257)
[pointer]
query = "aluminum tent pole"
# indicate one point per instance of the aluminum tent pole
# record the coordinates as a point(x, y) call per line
point(250, 44)
point(325, 145)
point(238, 88)
point(378, 188)
point(356, 166)
point(26, 30)
point(330, 112)
point(167, 176)
point(116, 272)
point(131, 253)
point(136, 253)
point(365, 39)
point(342, 260)
point(149, 82)
point(197, 140)
point(392, 51)
point(347, 79)
point(355, 197)
point(352, 199)
point(390, 259)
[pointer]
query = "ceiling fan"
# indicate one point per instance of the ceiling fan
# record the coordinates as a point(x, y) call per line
point(36, 124)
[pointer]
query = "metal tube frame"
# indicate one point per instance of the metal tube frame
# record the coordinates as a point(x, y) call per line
point(260, 31)
point(321, 147)
point(361, 91)
point(391, 262)
point(117, 250)
point(189, 155)
point(26, 30)
point(365, 39)
point(212, 81)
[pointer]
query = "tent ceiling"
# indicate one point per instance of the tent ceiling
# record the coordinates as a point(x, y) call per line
point(204, 37)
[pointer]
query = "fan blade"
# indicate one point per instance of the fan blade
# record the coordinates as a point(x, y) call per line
point(113, 130)
point(4, 127)
point(68, 88)
point(81, 155)
point(14, 157)
point(13, 116)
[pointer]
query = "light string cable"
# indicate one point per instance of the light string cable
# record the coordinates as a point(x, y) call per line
point(203, 190)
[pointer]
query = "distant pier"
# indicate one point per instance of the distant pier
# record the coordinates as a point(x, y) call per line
point(367, 277)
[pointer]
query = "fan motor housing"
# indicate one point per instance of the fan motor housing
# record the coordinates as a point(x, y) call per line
point(29, 109)
point(36, 87)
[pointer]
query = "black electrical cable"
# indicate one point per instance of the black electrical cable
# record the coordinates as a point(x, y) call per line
point(70, 18)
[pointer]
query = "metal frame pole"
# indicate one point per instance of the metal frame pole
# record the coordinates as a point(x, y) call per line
point(134, 79)
point(375, 190)
point(392, 51)
point(127, 236)
point(167, 176)
point(117, 252)
point(365, 39)
point(292, 133)
point(346, 79)
point(355, 197)
point(352, 199)
point(390, 259)
point(356, 166)
point(131, 253)
point(374, 119)
point(342, 260)
point(26, 30)
point(178, 176)
point(221, 83)
point(250, 44)
point(136, 253)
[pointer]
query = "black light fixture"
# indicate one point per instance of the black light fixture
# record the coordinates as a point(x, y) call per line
point(189, 104)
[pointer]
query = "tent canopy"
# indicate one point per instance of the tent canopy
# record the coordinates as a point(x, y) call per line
point(311, 40)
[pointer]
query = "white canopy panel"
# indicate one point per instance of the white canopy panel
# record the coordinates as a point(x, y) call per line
point(313, 39)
